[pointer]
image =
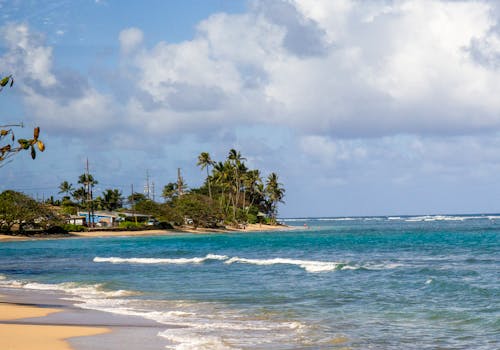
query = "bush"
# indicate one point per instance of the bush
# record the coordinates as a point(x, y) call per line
point(163, 225)
point(73, 228)
point(127, 225)
point(252, 218)
point(56, 230)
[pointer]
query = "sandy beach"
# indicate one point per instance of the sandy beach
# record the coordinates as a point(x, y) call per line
point(176, 231)
point(43, 320)
point(15, 335)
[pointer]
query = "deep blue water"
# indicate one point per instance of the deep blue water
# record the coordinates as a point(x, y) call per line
point(360, 283)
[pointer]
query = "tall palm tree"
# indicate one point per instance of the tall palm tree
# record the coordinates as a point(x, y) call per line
point(251, 181)
point(275, 193)
point(80, 194)
point(223, 178)
point(66, 187)
point(112, 199)
point(204, 161)
point(236, 160)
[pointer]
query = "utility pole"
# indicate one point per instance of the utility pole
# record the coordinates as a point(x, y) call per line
point(89, 186)
point(133, 202)
point(180, 182)
point(147, 187)
point(153, 190)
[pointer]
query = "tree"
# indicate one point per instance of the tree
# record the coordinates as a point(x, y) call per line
point(136, 198)
point(85, 193)
point(204, 161)
point(199, 209)
point(18, 209)
point(8, 148)
point(169, 191)
point(111, 199)
point(66, 188)
point(275, 194)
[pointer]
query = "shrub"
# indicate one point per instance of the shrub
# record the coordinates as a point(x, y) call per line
point(73, 228)
point(127, 225)
point(164, 225)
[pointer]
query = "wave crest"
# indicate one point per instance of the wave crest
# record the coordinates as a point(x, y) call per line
point(180, 261)
point(308, 265)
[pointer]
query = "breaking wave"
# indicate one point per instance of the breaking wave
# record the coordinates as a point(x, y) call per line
point(115, 260)
point(311, 266)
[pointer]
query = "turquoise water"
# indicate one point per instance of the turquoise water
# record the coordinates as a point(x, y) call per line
point(358, 283)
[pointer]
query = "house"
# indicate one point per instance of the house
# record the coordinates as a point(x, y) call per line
point(76, 220)
point(110, 218)
point(101, 218)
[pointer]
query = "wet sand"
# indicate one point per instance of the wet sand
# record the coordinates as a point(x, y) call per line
point(42, 320)
point(16, 334)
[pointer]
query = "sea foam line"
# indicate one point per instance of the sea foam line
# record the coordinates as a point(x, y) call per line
point(308, 265)
point(196, 260)
point(311, 266)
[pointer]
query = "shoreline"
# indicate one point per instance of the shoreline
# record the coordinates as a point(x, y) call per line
point(46, 320)
point(19, 328)
point(176, 231)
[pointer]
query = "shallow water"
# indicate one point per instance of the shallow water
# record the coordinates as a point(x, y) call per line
point(360, 283)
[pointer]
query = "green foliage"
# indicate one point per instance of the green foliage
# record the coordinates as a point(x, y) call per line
point(111, 199)
point(128, 225)
point(20, 211)
point(252, 218)
point(73, 228)
point(198, 208)
point(163, 225)
point(136, 198)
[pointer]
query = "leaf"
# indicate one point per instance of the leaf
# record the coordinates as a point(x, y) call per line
point(33, 152)
point(41, 146)
point(36, 133)
point(25, 144)
point(4, 132)
point(5, 81)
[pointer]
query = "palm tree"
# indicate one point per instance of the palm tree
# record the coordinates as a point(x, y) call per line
point(223, 177)
point(66, 187)
point(204, 161)
point(112, 199)
point(275, 194)
point(251, 181)
point(169, 191)
point(87, 179)
point(235, 158)
point(80, 194)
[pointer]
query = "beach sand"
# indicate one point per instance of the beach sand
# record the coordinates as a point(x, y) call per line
point(23, 336)
point(181, 229)
point(41, 320)
point(175, 231)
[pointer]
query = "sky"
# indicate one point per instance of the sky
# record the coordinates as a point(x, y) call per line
point(386, 107)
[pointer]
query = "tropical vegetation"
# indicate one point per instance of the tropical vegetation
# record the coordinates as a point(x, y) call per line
point(231, 194)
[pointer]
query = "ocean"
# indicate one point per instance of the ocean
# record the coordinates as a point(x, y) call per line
point(428, 282)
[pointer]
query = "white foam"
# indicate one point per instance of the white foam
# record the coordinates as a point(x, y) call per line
point(180, 261)
point(86, 291)
point(308, 265)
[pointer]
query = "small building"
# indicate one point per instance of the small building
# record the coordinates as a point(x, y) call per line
point(77, 220)
point(101, 218)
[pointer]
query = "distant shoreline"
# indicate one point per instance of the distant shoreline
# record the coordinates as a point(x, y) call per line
point(175, 231)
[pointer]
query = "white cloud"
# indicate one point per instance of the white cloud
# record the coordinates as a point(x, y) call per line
point(26, 56)
point(130, 39)
point(325, 69)
point(382, 68)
